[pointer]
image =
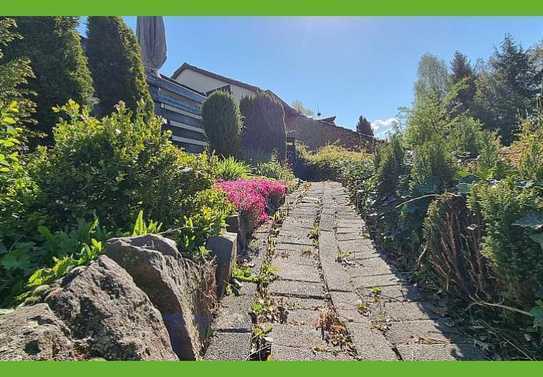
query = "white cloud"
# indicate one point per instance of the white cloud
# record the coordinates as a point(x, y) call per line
point(381, 127)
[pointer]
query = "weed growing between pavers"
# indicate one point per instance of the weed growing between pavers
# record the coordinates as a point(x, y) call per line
point(266, 310)
point(333, 331)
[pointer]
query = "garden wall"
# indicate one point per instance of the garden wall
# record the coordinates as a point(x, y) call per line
point(316, 133)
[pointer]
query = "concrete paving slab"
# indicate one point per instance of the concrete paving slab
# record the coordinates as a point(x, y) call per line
point(336, 277)
point(299, 272)
point(296, 239)
point(424, 332)
point(370, 344)
point(296, 257)
point(369, 267)
point(296, 289)
point(300, 317)
point(301, 354)
point(229, 346)
point(417, 352)
point(296, 303)
point(234, 311)
point(409, 311)
point(348, 235)
point(375, 281)
point(302, 336)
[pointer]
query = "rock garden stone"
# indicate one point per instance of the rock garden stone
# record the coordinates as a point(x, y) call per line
point(181, 290)
point(109, 315)
point(35, 333)
point(225, 250)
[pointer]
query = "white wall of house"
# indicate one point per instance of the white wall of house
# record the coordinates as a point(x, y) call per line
point(203, 83)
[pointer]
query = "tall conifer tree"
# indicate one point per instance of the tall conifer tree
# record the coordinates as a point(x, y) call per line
point(116, 65)
point(363, 127)
point(53, 47)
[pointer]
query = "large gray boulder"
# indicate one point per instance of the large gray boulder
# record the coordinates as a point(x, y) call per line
point(35, 333)
point(183, 292)
point(109, 315)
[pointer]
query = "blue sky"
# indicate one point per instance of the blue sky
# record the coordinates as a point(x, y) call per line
point(343, 66)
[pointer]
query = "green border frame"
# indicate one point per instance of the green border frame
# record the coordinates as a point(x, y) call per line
point(272, 7)
point(272, 368)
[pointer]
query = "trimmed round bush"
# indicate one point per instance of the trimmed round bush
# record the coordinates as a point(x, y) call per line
point(222, 123)
point(264, 121)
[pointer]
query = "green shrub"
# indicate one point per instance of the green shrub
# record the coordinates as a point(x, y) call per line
point(274, 169)
point(14, 73)
point(114, 167)
point(116, 65)
point(513, 216)
point(142, 228)
point(432, 170)
point(530, 150)
point(230, 169)
point(208, 221)
point(357, 178)
point(264, 121)
point(489, 163)
point(402, 183)
point(51, 255)
point(328, 162)
point(390, 165)
point(255, 156)
point(465, 137)
point(16, 187)
point(222, 123)
point(426, 120)
point(53, 46)
point(42, 256)
point(62, 266)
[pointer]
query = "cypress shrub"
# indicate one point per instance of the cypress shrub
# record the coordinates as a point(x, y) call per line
point(53, 47)
point(14, 73)
point(222, 123)
point(116, 65)
point(432, 170)
point(264, 120)
point(390, 164)
point(512, 215)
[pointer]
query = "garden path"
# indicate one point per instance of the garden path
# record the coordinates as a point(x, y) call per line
point(344, 300)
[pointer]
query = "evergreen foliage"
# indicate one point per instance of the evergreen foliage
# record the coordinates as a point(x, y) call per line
point(463, 77)
point(116, 65)
point(53, 47)
point(506, 92)
point(363, 127)
point(390, 164)
point(14, 73)
point(264, 120)
point(222, 122)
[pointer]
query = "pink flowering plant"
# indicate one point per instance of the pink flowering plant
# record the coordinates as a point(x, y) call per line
point(254, 198)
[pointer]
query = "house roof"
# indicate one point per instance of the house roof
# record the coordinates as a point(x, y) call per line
point(330, 121)
point(169, 79)
point(186, 66)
